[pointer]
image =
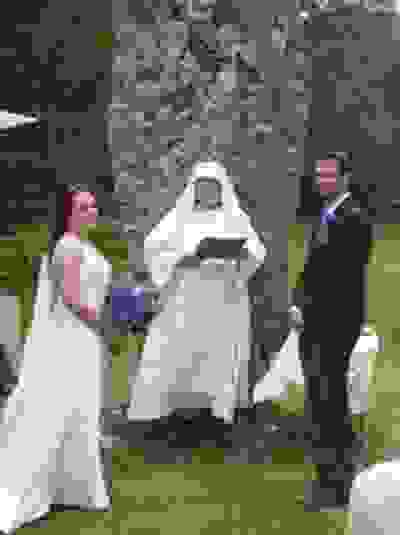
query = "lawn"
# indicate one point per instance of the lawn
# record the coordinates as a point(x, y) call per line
point(209, 496)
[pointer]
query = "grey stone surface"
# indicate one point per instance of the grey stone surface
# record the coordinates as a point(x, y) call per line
point(149, 170)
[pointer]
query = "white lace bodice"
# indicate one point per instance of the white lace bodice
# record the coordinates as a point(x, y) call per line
point(95, 272)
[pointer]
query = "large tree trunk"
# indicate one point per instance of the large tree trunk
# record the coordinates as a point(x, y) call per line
point(272, 189)
point(259, 165)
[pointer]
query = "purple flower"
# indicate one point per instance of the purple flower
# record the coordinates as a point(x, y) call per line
point(127, 304)
point(327, 217)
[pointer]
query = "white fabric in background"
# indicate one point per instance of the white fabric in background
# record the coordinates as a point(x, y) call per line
point(49, 450)
point(286, 368)
point(197, 350)
point(375, 500)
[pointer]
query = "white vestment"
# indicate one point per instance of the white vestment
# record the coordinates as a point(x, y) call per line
point(49, 434)
point(197, 349)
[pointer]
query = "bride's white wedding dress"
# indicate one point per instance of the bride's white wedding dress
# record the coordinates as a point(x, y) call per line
point(49, 434)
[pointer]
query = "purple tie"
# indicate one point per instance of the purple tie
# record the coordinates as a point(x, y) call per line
point(327, 216)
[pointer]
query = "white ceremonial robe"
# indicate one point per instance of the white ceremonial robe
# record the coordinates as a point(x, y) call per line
point(197, 350)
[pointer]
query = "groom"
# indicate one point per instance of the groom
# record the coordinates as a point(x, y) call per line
point(330, 305)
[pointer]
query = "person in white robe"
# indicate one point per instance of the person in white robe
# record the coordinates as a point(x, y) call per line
point(50, 428)
point(197, 350)
point(375, 500)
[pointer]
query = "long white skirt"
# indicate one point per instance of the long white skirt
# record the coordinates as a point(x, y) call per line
point(49, 448)
point(196, 353)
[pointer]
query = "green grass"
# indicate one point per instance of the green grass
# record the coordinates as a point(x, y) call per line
point(209, 497)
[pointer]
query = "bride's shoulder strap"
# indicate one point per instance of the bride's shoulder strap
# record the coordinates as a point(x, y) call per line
point(67, 246)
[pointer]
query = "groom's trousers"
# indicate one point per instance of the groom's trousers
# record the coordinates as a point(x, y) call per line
point(325, 355)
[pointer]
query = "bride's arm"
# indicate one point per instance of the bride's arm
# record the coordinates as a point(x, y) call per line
point(72, 298)
point(168, 289)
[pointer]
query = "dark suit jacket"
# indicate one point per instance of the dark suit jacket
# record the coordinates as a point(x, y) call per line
point(331, 290)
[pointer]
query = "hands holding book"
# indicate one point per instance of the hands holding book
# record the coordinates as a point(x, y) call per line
point(213, 248)
point(189, 261)
point(296, 318)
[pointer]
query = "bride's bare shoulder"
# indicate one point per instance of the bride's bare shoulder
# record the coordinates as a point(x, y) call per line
point(68, 245)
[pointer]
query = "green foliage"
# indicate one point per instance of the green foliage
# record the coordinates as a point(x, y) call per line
point(104, 39)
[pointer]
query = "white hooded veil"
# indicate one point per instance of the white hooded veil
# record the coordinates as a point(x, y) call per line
point(182, 229)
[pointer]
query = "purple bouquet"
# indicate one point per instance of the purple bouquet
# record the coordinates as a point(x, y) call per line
point(128, 304)
point(327, 217)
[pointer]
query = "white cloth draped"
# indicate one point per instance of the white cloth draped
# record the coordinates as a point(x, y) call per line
point(198, 347)
point(286, 369)
point(49, 449)
point(375, 500)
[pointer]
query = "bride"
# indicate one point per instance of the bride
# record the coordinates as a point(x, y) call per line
point(49, 434)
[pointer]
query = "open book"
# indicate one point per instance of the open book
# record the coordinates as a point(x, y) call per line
point(222, 248)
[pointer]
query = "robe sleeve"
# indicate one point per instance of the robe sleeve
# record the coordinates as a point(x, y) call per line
point(161, 264)
point(257, 253)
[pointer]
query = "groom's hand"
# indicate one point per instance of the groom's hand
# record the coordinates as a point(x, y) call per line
point(296, 317)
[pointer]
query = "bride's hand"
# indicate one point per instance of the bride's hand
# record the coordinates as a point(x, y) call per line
point(296, 318)
point(88, 313)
